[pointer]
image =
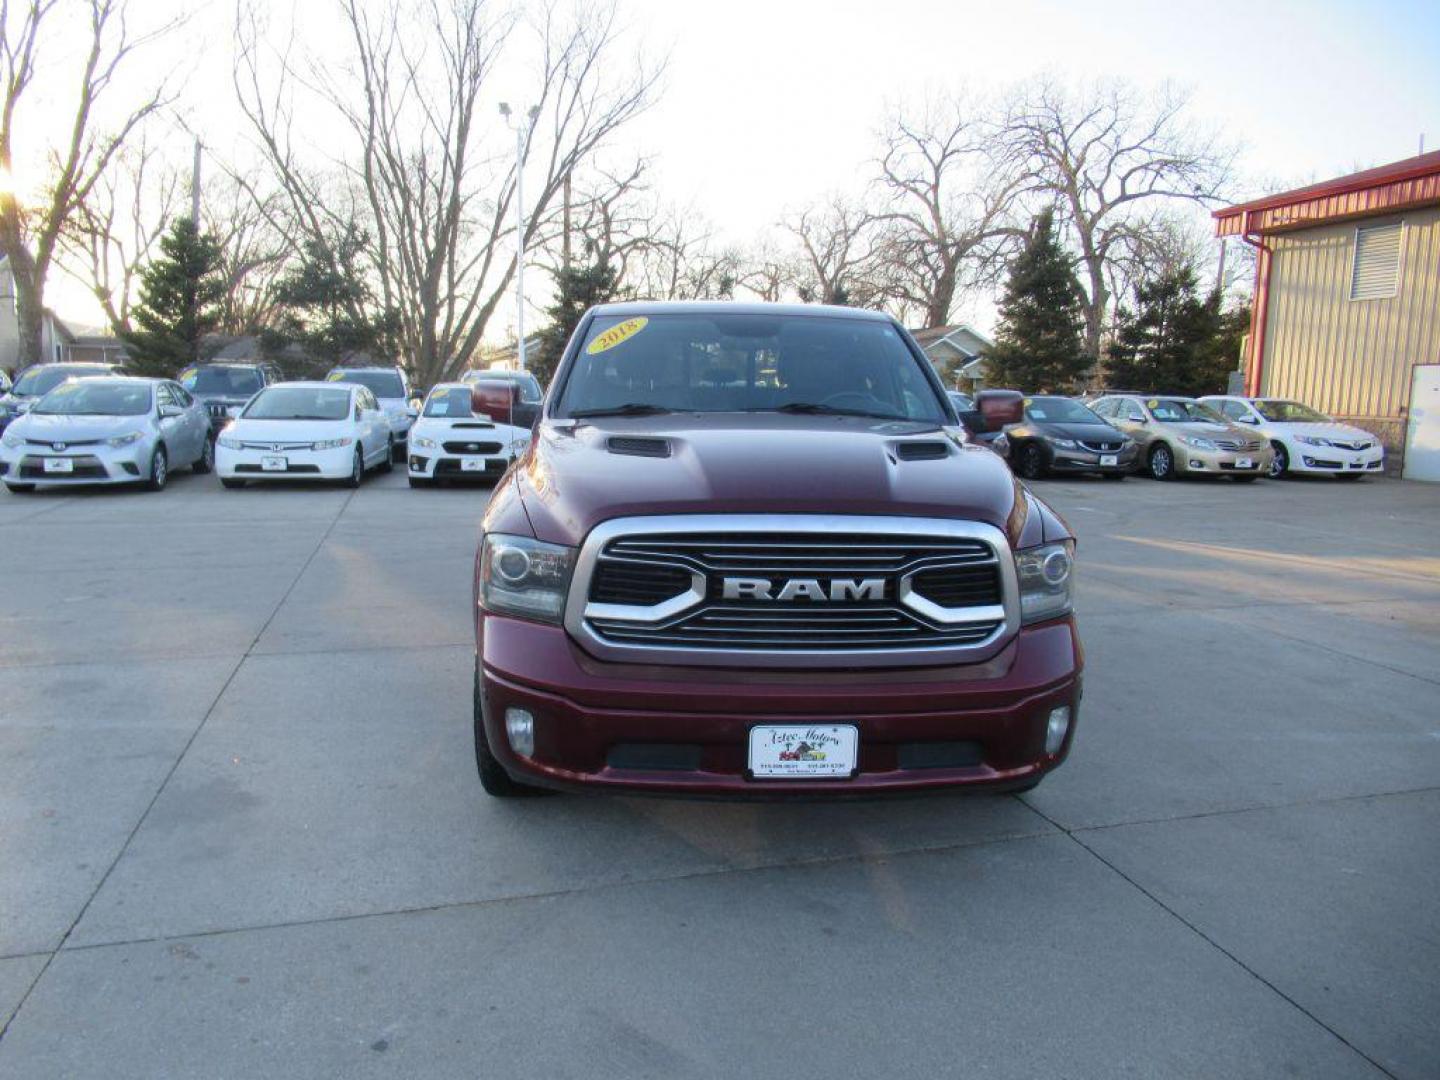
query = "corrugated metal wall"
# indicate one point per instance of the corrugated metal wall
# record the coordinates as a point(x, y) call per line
point(1352, 358)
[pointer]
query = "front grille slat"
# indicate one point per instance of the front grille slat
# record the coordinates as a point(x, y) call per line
point(455, 447)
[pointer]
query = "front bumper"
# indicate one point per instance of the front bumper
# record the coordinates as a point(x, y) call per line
point(1334, 459)
point(1062, 460)
point(602, 725)
point(88, 464)
point(436, 464)
point(249, 464)
point(1223, 462)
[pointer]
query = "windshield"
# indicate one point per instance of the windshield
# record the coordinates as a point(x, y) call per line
point(43, 379)
point(222, 381)
point(1177, 411)
point(530, 391)
point(747, 363)
point(1058, 410)
point(451, 401)
point(95, 397)
point(383, 384)
point(1289, 412)
point(299, 403)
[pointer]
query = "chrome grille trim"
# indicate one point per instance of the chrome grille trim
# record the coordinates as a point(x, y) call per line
point(905, 630)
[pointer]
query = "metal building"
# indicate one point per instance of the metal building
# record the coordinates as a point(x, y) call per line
point(1347, 302)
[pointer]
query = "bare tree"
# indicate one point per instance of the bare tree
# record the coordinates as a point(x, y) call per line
point(35, 38)
point(1108, 157)
point(839, 244)
point(242, 216)
point(436, 205)
point(950, 199)
point(680, 260)
point(117, 228)
point(767, 271)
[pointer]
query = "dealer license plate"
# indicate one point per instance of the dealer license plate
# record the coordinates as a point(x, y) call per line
point(1109, 459)
point(804, 751)
point(59, 464)
point(472, 465)
point(274, 464)
point(1244, 463)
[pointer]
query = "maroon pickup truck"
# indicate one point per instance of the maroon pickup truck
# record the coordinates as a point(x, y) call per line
point(751, 552)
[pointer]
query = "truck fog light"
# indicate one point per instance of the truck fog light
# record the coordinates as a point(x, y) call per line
point(520, 730)
point(1055, 728)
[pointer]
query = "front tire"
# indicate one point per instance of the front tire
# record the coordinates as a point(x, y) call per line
point(1280, 465)
point(1162, 462)
point(159, 469)
point(357, 470)
point(493, 777)
point(389, 462)
point(1030, 462)
point(206, 462)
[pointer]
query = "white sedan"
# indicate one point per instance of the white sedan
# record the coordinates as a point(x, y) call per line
point(451, 441)
point(1305, 441)
point(305, 431)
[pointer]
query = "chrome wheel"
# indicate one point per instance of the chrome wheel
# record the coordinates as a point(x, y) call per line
point(1280, 464)
point(1162, 463)
point(159, 470)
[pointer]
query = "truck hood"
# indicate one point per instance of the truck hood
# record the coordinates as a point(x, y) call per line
point(573, 478)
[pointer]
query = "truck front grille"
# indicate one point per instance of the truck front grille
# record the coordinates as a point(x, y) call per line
point(832, 586)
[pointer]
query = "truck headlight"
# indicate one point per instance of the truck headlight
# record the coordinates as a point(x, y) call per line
point(525, 577)
point(1047, 575)
point(124, 440)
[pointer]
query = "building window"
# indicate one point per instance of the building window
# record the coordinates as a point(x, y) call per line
point(1376, 272)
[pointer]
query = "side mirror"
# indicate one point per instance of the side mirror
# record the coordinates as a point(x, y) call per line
point(170, 412)
point(495, 399)
point(1247, 420)
point(1000, 407)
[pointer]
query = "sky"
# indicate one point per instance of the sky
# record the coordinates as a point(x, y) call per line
point(768, 104)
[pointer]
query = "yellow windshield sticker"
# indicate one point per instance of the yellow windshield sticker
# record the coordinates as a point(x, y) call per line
point(335, 376)
point(1152, 404)
point(616, 334)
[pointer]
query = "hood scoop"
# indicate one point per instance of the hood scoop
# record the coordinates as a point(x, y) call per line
point(638, 446)
point(930, 450)
point(467, 425)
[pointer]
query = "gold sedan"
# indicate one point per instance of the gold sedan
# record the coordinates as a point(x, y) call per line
point(1180, 436)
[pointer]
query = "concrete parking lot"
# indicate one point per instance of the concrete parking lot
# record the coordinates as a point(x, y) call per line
point(241, 833)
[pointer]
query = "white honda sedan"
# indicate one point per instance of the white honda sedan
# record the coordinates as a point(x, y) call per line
point(450, 441)
point(1305, 441)
point(305, 431)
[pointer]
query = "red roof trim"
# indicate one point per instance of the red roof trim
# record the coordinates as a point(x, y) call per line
point(1409, 169)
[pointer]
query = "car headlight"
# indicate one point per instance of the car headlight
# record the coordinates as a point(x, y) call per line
point(126, 439)
point(11, 439)
point(1047, 576)
point(1311, 440)
point(526, 577)
point(424, 443)
point(228, 444)
point(1197, 442)
point(1062, 444)
point(331, 444)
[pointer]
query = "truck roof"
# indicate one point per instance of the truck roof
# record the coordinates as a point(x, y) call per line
point(733, 307)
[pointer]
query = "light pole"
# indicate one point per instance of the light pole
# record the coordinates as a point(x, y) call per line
point(522, 135)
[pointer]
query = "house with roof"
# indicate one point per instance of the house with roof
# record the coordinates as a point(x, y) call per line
point(1346, 317)
point(957, 353)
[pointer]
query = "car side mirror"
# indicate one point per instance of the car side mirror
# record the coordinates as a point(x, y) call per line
point(1000, 407)
point(1247, 420)
point(170, 412)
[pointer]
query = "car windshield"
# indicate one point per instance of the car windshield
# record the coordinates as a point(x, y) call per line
point(724, 362)
point(530, 391)
point(451, 401)
point(299, 403)
point(95, 397)
point(224, 381)
point(43, 379)
point(1289, 412)
point(383, 384)
point(1059, 410)
point(1179, 411)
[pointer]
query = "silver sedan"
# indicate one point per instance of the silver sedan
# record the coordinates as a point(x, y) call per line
point(107, 431)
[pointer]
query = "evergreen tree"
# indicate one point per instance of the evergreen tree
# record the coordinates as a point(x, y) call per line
point(327, 306)
point(180, 293)
point(577, 289)
point(1172, 343)
point(1039, 345)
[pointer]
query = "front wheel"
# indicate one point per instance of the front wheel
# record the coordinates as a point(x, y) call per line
point(493, 777)
point(1030, 462)
point(1162, 463)
point(206, 462)
point(1280, 464)
point(357, 470)
point(159, 469)
point(389, 462)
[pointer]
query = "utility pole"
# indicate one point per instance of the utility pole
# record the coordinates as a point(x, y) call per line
point(565, 239)
point(522, 136)
point(195, 188)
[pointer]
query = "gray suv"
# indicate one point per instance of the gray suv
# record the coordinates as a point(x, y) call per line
point(391, 387)
point(225, 388)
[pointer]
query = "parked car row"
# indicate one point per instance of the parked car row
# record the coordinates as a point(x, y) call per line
point(104, 428)
point(1166, 436)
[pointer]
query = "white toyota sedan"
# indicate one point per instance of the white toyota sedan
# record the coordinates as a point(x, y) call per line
point(451, 441)
point(1305, 441)
point(305, 431)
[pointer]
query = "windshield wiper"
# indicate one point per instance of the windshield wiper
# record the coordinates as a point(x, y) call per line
point(814, 408)
point(631, 408)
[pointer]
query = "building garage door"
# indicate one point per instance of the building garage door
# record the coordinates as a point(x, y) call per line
point(1422, 437)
